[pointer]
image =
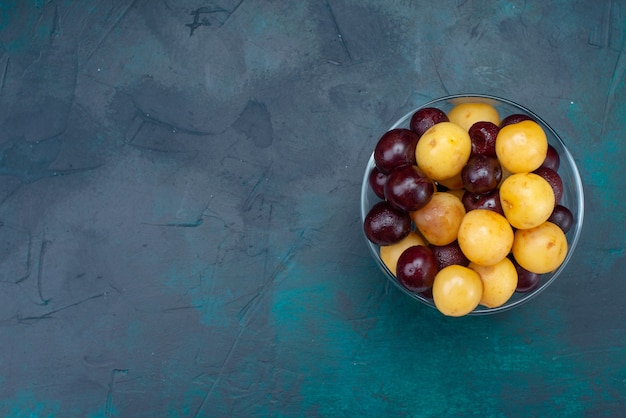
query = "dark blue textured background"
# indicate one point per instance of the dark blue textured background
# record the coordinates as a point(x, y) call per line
point(179, 222)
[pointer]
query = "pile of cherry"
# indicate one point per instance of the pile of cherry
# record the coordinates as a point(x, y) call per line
point(469, 211)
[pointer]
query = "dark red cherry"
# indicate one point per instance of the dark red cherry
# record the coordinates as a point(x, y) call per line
point(554, 180)
point(562, 217)
point(514, 118)
point(395, 148)
point(424, 119)
point(447, 255)
point(377, 180)
point(553, 160)
point(408, 188)
point(490, 201)
point(481, 174)
point(385, 225)
point(427, 294)
point(526, 280)
point(483, 136)
point(417, 268)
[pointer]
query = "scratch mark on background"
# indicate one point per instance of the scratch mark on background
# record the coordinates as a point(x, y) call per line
point(339, 34)
point(194, 223)
point(108, 410)
point(182, 308)
point(134, 127)
point(40, 270)
point(233, 11)
point(204, 21)
point(616, 79)
point(599, 36)
point(108, 30)
point(50, 314)
point(249, 308)
point(445, 88)
point(5, 71)
point(197, 21)
point(248, 312)
point(216, 382)
point(176, 224)
point(29, 251)
point(247, 205)
point(70, 171)
point(142, 117)
point(55, 23)
point(76, 67)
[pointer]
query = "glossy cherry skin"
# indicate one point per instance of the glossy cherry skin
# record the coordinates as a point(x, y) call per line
point(481, 174)
point(553, 159)
point(377, 180)
point(526, 281)
point(408, 188)
point(555, 181)
point(424, 119)
point(417, 268)
point(385, 225)
point(395, 148)
point(562, 217)
point(447, 255)
point(483, 135)
point(514, 118)
point(490, 201)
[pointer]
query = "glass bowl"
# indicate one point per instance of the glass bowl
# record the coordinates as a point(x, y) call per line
point(572, 197)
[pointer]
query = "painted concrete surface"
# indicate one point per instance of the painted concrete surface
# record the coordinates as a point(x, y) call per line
point(179, 209)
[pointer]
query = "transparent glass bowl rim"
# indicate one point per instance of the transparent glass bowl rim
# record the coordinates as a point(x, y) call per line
point(565, 155)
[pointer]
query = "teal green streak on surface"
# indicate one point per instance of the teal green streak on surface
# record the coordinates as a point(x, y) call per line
point(100, 413)
point(508, 8)
point(601, 162)
point(26, 404)
point(44, 28)
point(602, 168)
point(260, 24)
point(595, 163)
point(385, 354)
point(112, 412)
point(6, 10)
point(23, 40)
